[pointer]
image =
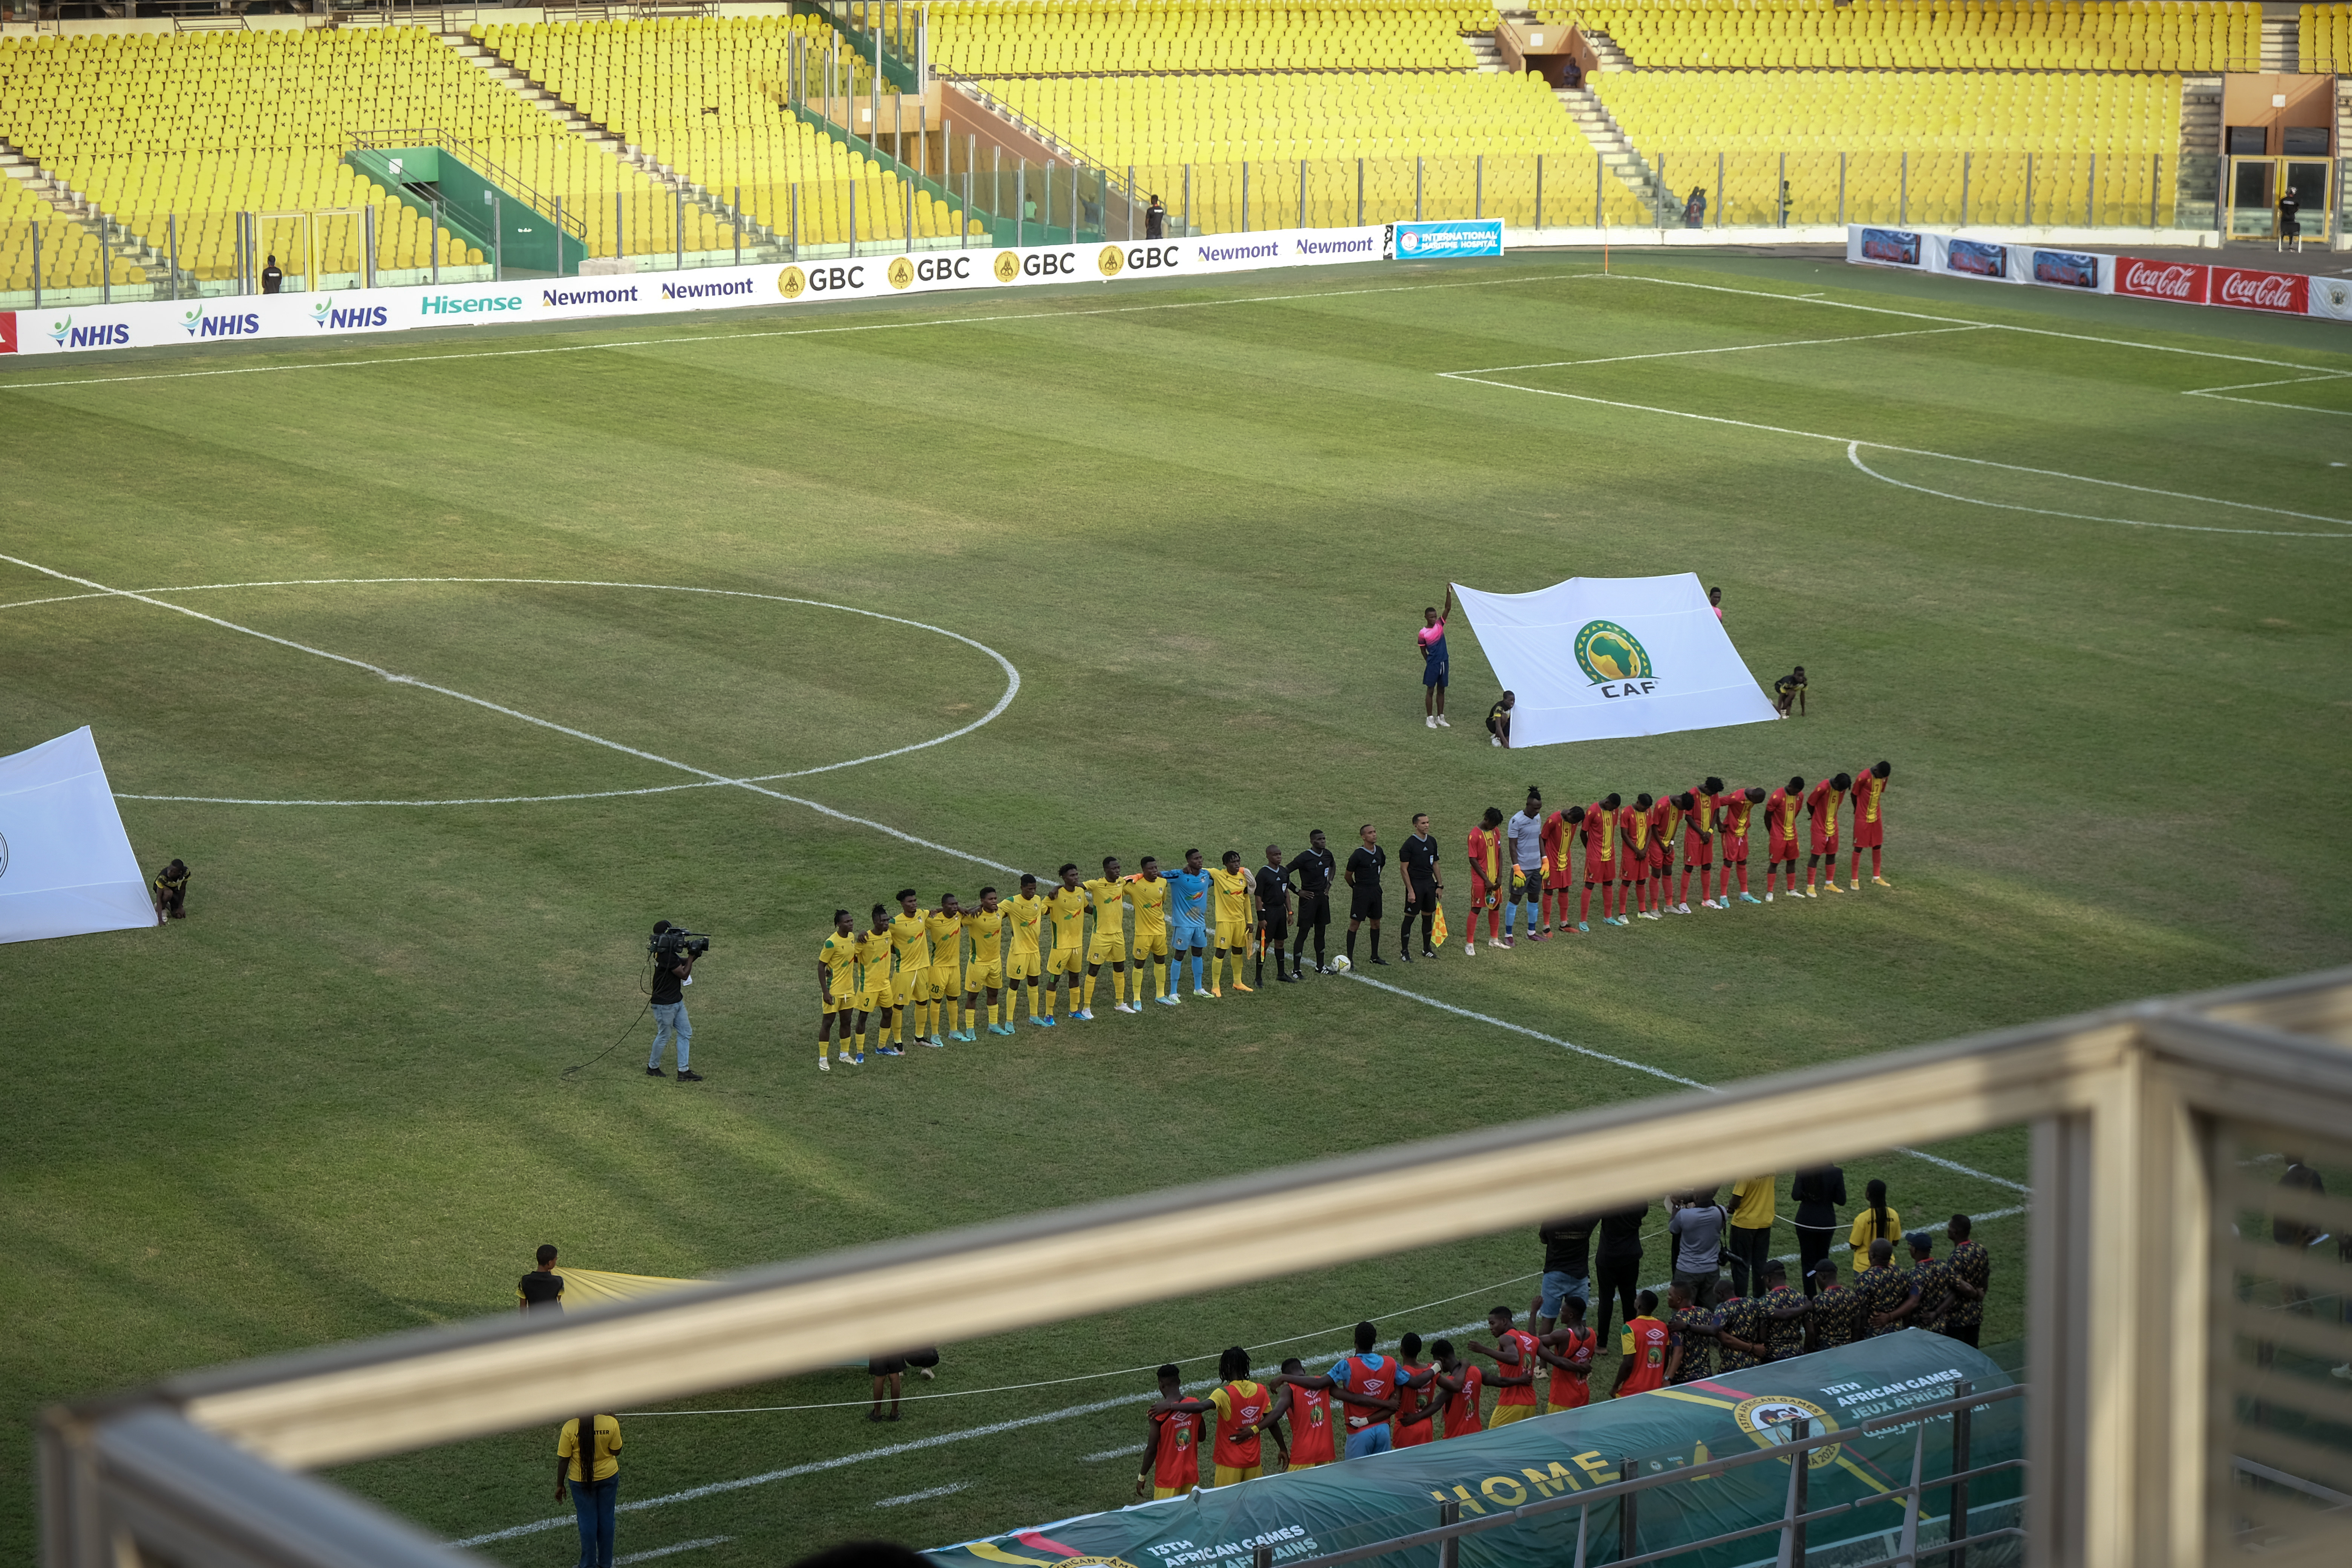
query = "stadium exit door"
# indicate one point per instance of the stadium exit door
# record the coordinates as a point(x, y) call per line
point(2256, 185)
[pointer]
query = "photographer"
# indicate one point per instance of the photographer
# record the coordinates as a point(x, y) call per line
point(672, 972)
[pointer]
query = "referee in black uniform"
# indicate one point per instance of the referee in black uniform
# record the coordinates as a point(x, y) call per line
point(1364, 880)
point(1417, 859)
point(1314, 870)
point(1274, 893)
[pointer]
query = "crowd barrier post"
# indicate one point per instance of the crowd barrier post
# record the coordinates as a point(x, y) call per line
point(853, 217)
point(2155, 183)
point(1130, 202)
point(1302, 193)
point(1658, 190)
point(1187, 198)
point(1599, 174)
point(1419, 164)
point(367, 240)
point(792, 209)
point(171, 224)
point(1360, 193)
point(36, 266)
point(106, 260)
point(2028, 219)
point(1020, 208)
point(1539, 158)
point(2091, 196)
point(1718, 190)
point(1964, 188)
point(1478, 188)
point(678, 225)
point(1792, 1539)
point(1629, 1524)
point(1780, 192)
point(1449, 1551)
point(432, 244)
point(1903, 189)
point(739, 225)
point(1245, 196)
point(497, 238)
point(1840, 190)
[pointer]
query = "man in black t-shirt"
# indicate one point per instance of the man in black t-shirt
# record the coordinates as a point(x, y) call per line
point(1313, 868)
point(1274, 890)
point(1566, 1270)
point(1789, 690)
point(1418, 862)
point(1364, 878)
point(672, 972)
point(1617, 1262)
point(542, 1286)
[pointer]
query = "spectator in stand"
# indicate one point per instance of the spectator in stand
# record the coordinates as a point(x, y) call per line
point(1155, 218)
point(272, 279)
point(1695, 209)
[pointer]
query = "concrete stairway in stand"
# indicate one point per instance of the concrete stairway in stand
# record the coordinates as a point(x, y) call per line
point(1618, 154)
point(72, 208)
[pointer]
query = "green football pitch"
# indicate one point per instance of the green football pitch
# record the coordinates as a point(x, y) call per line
point(2076, 567)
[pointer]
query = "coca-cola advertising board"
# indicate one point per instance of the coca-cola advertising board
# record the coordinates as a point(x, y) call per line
point(2182, 282)
point(2288, 293)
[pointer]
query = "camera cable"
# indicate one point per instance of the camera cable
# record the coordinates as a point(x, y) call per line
point(616, 1046)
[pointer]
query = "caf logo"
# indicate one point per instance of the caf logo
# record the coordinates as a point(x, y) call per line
point(1607, 651)
point(1110, 260)
point(1772, 1419)
point(1008, 266)
point(902, 272)
point(791, 282)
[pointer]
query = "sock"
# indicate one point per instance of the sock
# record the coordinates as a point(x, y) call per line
point(1373, 944)
point(1743, 875)
point(1297, 948)
point(1547, 908)
point(1236, 956)
point(899, 1026)
point(1873, 859)
point(1351, 947)
point(1584, 906)
point(1162, 982)
point(1196, 968)
point(1810, 873)
point(820, 1048)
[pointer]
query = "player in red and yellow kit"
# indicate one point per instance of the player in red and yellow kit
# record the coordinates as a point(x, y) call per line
point(1455, 1390)
point(1559, 876)
point(1645, 1368)
point(1664, 817)
point(1412, 1377)
point(1171, 1453)
point(1600, 862)
point(1568, 1350)
point(1869, 821)
point(1633, 852)
point(1823, 805)
point(1737, 810)
point(1309, 1412)
point(1699, 807)
point(1487, 880)
point(1780, 835)
point(1514, 1356)
point(1242, 1404)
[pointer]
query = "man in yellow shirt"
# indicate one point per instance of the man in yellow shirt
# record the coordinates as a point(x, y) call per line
point(594, 1493)
point(1148, 891)
point(836, 983)
point(910, 941)
point(1234, 920)
point(1108, 893)
point(876, 990)
point(1750, 1245)
point(985, 974)
point(1070, 905)
point(1023, 961)
point(945, 927)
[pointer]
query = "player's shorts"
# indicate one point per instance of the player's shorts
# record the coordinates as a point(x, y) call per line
point(1780, 850)
point(1411, 1437)
point(1161, 1494)
point(1375, 1438)
point(1698, 853)
point(1066, 961)
point(1275, 927)
point(1661, 857)
point(1234, 935)
point(1023, 964)
point(1313, 910)
point(1550, 1409)
point(877, 1001)
point(1298, 1465)
point(983, 977)
point(1735, 851)
point(1528, 888)
point(1434, 671)
point(1108, 947)
point(1505, 1413)
point(1150, 945)
point(1869, 834)
point(912, 986)
point(840, 1002)
point(1234, 1475)
point(1562, 877)
point(1599, 871)
point(1365, 905)
point(1825, 844)
point(1188, 935)
point(1481, 897)
point(946, 984)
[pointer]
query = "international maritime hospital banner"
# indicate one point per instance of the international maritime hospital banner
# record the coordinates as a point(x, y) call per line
point(1598, 659)
point(1360, 1502)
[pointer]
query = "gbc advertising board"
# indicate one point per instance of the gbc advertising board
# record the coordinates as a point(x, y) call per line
point(2092, 272)
point(150, 324)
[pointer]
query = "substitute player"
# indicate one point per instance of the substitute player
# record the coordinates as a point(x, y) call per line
point(1068, 904)
point(1235, 923)
point(910, 941)
point(1869, 823)
point(1568, 1350)
point(1455, 1388)
point(1025, 915)
point(1242, 1405)
point(1107, 893)
point(984, 975)
point(1413, 1375)
point(1823, 805)
point(1148, 891)
point(946, 926)
point(836, 983)
point(1739, 809)
point(1188, 921)
point(1172, 1449)
point(1486, 880)
point(1600, 862)
point(1644, 1368)
point(1274, 890)
point(1780, 835)
point(1309, 1413)
point(1514, 1356)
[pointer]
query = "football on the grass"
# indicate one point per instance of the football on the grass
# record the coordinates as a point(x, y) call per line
point(1341, 965)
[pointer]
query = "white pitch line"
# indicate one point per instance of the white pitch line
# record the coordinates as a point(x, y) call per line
point(1129, 1452)
point(1427, 1001)
point(1853, 455)
point(673, 1551)
point(527, 718)
point(1012, 677)
point(1731, 349)
point(924, 1496)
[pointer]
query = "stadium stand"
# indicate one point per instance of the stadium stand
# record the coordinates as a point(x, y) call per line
point(2324, 40)
point(2109, 128)
point(1948, 35)
point(1019, 37)
point(69, 254)
point(704, 96)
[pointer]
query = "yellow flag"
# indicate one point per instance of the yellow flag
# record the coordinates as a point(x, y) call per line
point(1437, 926)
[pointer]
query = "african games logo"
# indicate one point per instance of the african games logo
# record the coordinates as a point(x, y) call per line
point(1771, 1419)
point(1111, 261)
point(1607, 651)
point(791, 282)
point(902, 272)
point(1008, 266)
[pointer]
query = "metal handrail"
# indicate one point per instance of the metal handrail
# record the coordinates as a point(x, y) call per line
point(1892, 1421)
point(489, 169)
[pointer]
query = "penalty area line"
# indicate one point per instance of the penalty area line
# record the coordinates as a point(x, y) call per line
point(673, 1551)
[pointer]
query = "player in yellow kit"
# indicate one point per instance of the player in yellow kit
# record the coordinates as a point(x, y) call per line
point(911, 942)
point(1070, 905)
point(874, 992)
point(946, 928)
point(1234, 920)
point(1108, 893)
point(1148, 891)
point(984, 975)
point(1027, 917)
point(837, 983)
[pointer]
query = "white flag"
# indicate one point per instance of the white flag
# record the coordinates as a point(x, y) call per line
point(66, 864)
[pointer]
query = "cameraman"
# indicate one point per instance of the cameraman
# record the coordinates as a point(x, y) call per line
point(673, 969)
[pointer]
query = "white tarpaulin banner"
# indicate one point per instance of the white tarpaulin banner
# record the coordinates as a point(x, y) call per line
point(1600, 657)
point(66, 864)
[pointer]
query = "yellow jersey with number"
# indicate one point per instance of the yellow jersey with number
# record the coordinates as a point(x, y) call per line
point(1232, 899)
point(1149, 897)
point(987, 933)
point(910, 935)
point(946, 932)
